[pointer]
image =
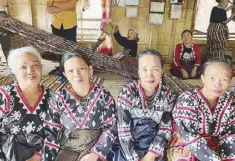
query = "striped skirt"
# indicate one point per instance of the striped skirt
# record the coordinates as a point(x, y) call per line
point(217, 34)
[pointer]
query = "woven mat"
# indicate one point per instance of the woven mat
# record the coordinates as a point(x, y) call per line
point(48, 81)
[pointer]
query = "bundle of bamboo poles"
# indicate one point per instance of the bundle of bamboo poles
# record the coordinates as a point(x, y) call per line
point(25, 34)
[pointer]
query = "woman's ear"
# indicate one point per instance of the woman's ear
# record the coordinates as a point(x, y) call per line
point(202, 78)
point(91, 70)
point(64, 74)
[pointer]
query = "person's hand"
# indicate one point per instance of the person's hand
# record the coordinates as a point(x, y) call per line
point(149, 157)
point(71, 9)
point(230, 7)
point(34, 158)
point(90, 157)
point(194, 72)
point(184, 74)
point(53, 3)
point(85, 157)
point(116, 29)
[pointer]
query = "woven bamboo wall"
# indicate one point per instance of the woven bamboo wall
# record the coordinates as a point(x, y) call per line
point(21, 9)
point(161, 37)
point(40, 17)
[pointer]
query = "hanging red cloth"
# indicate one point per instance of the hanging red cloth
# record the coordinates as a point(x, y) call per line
point(106, 46)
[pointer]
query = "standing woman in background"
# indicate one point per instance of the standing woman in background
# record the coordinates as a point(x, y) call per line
point(217, 32)
point(64, 24)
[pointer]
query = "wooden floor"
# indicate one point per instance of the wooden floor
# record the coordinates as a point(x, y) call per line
point(113, 83)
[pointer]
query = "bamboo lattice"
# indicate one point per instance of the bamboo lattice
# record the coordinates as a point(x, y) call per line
point(24, 34)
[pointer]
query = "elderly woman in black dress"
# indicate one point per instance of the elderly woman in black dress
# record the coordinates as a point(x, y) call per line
point(23, 108)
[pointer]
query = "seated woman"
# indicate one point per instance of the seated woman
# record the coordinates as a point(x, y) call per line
point(23, 108)
point(81, 123)
point(186, 58)
point(205, 118)
point(130, 43)
point(144, 112)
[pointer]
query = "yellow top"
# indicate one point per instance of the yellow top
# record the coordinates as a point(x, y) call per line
point(67, 18)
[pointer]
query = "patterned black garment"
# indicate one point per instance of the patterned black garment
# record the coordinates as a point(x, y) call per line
point(133, 106)
point(187, 59)
point(69, 113)
point(197, 122)
point(217, 34)
point(130, 46)
point(21, 126)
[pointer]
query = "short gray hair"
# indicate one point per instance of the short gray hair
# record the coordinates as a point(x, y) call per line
point(151, 52)
point(13, 54)
point(223, 61)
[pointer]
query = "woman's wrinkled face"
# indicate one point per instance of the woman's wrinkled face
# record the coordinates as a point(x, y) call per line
point(77, 71)
point(28, 70)
point(131, 35)
point(216, 79)
point(187, 38)
point(150, 71)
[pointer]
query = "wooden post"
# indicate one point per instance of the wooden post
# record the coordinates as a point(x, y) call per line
point(172, 38)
